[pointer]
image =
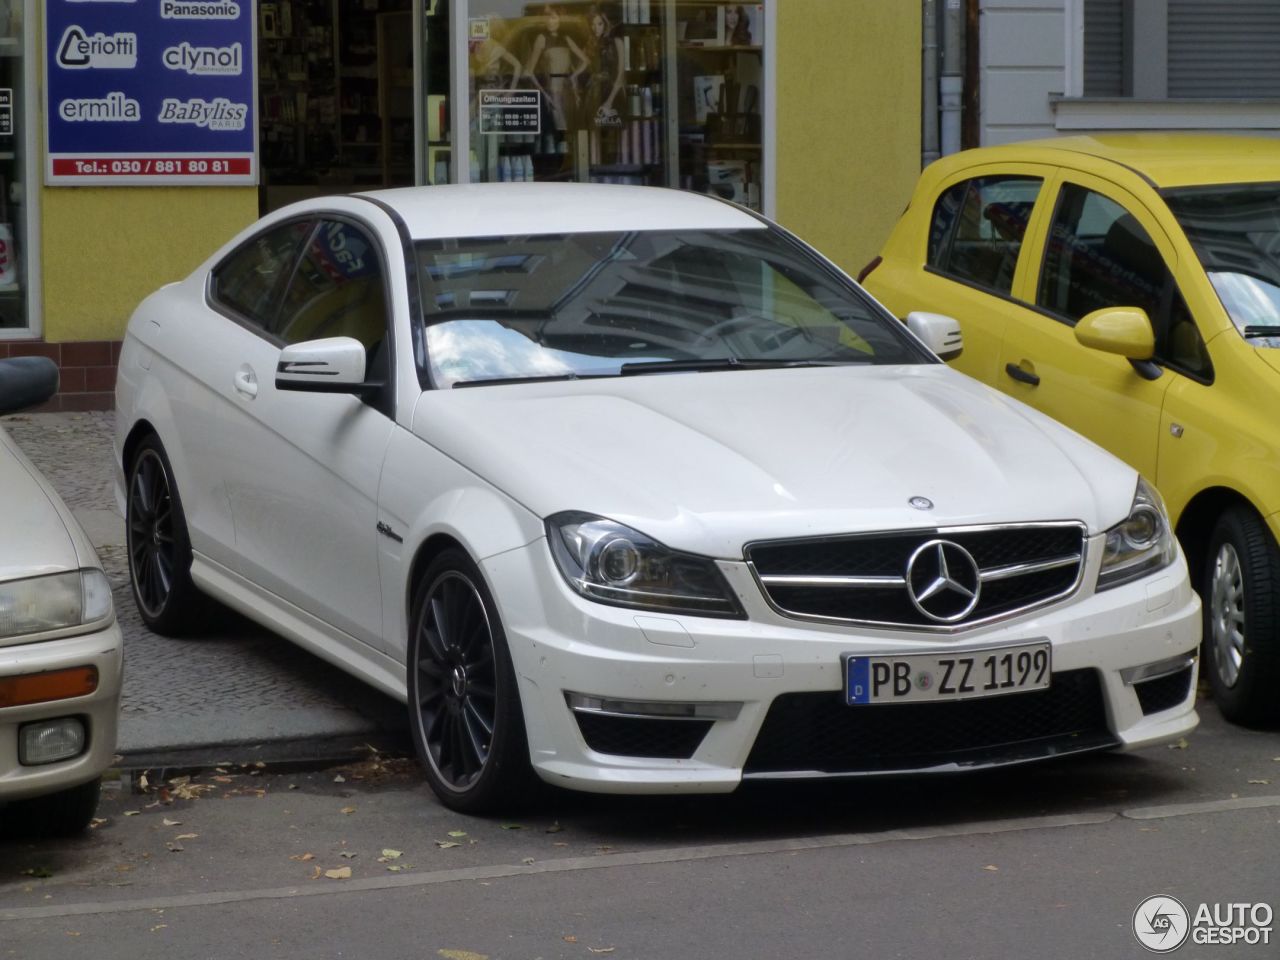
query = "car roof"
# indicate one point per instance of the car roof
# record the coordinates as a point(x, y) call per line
point(520, 209)
point(1166, 159)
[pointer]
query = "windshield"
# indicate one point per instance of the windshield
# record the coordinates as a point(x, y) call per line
point(498, 309)
point(1235, 231)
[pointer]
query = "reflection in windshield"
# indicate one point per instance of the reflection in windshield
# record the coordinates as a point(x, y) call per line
point(587, 304)
point(1235, 231)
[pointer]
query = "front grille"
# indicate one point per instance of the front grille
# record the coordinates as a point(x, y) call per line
point(818, 733)
point(866, 579)
point(1163, 693)
point(642, 736)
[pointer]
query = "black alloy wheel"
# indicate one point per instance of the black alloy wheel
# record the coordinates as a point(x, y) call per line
point(464, 709)
point(158, 547)
point(1241, 603)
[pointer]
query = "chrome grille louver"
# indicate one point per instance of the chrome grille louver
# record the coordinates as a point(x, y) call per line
point(865, 578)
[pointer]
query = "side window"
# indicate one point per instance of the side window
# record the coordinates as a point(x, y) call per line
point(249, 280)
point(1099, 256)
point(337, 289)
point(977, 229)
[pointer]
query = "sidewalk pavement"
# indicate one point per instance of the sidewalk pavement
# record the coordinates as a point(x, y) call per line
point(236, 694)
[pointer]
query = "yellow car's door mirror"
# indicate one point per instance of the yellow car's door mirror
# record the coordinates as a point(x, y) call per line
point(1122, 330)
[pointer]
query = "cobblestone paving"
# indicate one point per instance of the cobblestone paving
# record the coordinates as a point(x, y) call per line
point(235, 683)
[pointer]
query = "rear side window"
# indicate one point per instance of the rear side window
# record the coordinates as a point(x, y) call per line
point(977, 229)
point(249, 280)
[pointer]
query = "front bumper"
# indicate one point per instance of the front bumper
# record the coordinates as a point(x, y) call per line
point(609, 660)
point(99, 711)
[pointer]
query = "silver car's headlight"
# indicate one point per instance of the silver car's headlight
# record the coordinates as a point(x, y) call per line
point(606, 561)
point(53, 602)
point(1140, 544)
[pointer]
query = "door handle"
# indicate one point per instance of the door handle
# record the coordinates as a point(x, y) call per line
point(1022, 376)
point(246, 382)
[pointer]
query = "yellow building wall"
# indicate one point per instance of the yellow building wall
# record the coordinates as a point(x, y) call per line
point(103, 249)
point(848, 121)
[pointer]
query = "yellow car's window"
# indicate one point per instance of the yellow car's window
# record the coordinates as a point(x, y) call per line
point(977, 229)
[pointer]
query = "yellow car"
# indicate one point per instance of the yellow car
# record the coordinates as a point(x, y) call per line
point(1129, 287)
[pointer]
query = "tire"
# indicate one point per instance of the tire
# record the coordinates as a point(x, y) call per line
point(61, 814)
point(159, 547)
point(464, 706)
point(1241, 599)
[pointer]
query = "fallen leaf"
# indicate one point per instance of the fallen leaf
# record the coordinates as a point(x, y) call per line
point(293, 786)
point(462, 955)
point(143, 782)
point(158, 926)
point(457, 833)
point(446, 844)
point(37, 872)
point(527, 860)
point(512, 826)
point(391, 854)
point(132, 813)
point(601, 949)
point(992, 867)
point(174, 847)
point(339, 779)
point(347, 810)
point(96, 822)
point(1259, 781)
point(317, 874)
point(186, 836)
point(555, 827)
point(342, 873)
point(261, 764)
point(72, 933)
point(569, 938)
point(348, 854)
point(303, 856)
point(395, 867)
point(223, 779)
point(1180, 745)
point(171, 823)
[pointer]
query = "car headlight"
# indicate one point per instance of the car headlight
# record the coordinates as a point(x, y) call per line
point(1140, 544)
point(54, 602)
point(608, 562)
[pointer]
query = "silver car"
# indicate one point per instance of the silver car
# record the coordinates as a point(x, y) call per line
point(61, 652)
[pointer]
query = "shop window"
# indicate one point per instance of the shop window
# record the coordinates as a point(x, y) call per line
point(249, 280)
point(638, 92)
point(14, 257)
point(977, 229)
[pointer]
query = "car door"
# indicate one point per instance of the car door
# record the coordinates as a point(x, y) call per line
point(1099, 247)
point(303, 487)
point(968, 259)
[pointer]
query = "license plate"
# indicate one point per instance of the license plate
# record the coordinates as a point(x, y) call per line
point(934, 676)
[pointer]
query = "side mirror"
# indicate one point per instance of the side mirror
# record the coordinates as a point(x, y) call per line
point(940, 333)
point(26, 382)
point(332, 365)
point(1121, 330)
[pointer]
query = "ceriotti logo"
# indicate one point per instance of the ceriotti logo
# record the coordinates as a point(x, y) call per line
point(182, 10)
point(219, 114)
point(78, 50)
point(204, 61)
point(1161, 924)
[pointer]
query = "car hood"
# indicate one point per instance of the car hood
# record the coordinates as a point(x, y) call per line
point(34, 538)
point(706, 462)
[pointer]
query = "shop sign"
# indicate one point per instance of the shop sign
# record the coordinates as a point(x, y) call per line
point(510, 111)
point(148, 92)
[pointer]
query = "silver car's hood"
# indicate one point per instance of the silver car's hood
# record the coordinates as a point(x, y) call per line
point(34, 538)
point(708, 462)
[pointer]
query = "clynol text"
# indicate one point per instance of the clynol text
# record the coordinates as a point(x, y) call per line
point(204, 61)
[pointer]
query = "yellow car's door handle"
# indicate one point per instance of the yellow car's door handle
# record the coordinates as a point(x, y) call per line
point(1022, 376)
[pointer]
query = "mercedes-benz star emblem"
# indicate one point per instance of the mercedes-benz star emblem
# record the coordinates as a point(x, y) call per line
point(943, 581)
point(921, 503)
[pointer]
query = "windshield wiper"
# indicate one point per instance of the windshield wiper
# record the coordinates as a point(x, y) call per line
point(1253, 330)
point(497, 381)
point(721, 363)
